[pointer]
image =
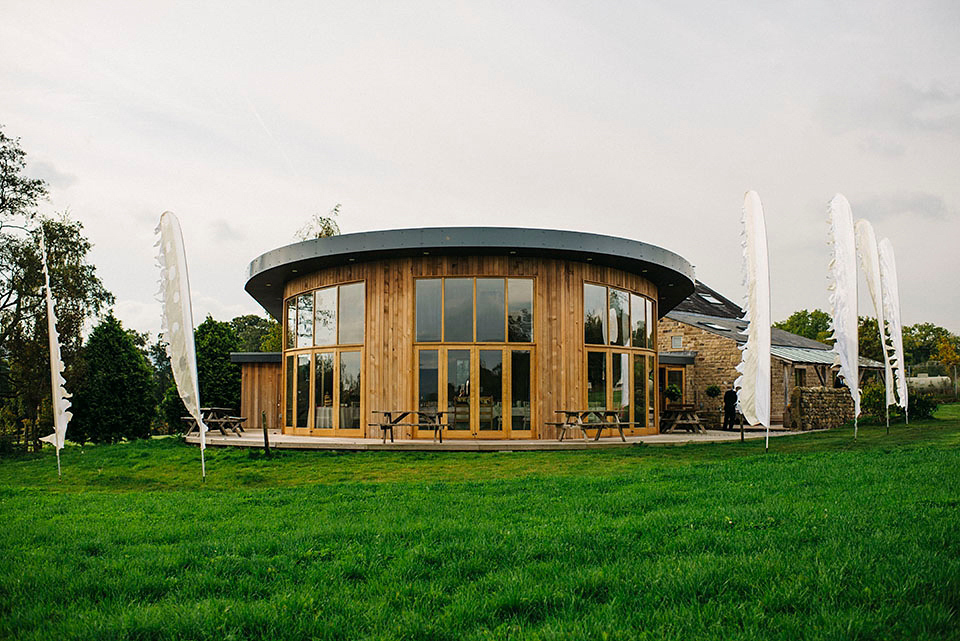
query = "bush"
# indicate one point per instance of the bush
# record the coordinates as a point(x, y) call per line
point(673, 393)
point(713, 391)
point(873, 404)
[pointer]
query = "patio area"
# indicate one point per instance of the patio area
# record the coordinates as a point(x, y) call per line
point(254, 438)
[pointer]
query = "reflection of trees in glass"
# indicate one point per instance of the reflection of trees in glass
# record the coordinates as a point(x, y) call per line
point(593, 328)
point(520, 326)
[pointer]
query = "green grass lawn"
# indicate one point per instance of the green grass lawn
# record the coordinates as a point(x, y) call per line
point(822, 538)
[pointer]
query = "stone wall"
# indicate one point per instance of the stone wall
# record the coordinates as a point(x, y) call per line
point(814, 408)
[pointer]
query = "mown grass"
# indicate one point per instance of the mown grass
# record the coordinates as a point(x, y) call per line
point(822, 538)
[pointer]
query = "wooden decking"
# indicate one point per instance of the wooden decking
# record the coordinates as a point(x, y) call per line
point(254, 438)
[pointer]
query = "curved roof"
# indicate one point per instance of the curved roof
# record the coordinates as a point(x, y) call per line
point(268, 273)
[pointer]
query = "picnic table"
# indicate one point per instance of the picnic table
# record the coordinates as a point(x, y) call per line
point(591, 420)
point(422, 419)
point(682, 416)
point(221, 418)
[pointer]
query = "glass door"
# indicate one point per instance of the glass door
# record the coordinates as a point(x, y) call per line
point(486, 393)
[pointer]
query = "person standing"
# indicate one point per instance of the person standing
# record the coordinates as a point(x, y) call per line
point(729, 409)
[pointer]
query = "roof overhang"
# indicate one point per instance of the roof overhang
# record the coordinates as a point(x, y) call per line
point(269, 273)
point(255, 357)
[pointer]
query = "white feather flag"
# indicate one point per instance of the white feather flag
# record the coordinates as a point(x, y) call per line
point(753, 384)
point(870, 262)
point(177, 320)
point(891, 309)
point(843, 295)
point(61, 411)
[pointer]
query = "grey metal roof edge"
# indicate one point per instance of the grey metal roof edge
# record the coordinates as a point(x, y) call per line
point(269, 272)
point(256, 357)
point(677, 358)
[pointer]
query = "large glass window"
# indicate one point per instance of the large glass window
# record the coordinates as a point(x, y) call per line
point(491, 389)
point(474, 310)
point(520, 310)
point(323, 387)
point(350, 368)
point(650, 320)
point(520, 371)
point(350, 322)
point(289, 394)
point(639, 388)
point(429, 379)
point(617, 375)
point(429, 309)
point(638, 320)
point(594, 314)
point(303, 389)
point(458, 310)
point(291, 339)
point(458, 389)
point(325, 313)
point(619, 318)
point(490, 310)
point(621, 385)
point(323, 390)
point(596, 380)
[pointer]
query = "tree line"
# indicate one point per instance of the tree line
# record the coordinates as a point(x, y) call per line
point(927, 348)
point(120, 380)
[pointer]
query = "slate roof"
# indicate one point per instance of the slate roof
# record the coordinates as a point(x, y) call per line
point(707, 301)
point(732, 328)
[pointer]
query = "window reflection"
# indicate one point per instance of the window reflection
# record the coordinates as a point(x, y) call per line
point(350, 390)
point(350, 322)
point(325, 315)
point(458, 310)
point(304, 320)
point(323, 390)
point(428, 309)
point(619, 318)
point(458, 389)
point(289, 403)
point(639, 386)
point(638, 320)
point(491, 389)
point(303, 389)
point(651, 319)
point(520, 310)
point(596, 380)
point(429, 379)
point(490, 310)
point(520, 389)
point(594, 314)
point(621, 385)
point(291, 339)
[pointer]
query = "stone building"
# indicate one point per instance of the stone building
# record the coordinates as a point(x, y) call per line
point(698, 343)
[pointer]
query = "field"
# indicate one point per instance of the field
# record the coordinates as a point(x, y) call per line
point(822, 538)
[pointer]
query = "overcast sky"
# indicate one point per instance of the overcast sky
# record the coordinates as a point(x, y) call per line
point(646, 120)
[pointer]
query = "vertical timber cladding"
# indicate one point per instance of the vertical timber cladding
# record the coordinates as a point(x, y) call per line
point(390, 368)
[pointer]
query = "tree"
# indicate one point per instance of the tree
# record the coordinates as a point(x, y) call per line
point(920, 342)
point(815, 325)
point(273, 341)
point(217, 377)
point(79, 295)
point(868, 336)
point(321, 226)
point(19, 195)
point(114, 399)
point(251, 331)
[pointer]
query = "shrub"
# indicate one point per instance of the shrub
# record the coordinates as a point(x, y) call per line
point(673, 393)
point(873, 404)
point(713, 391)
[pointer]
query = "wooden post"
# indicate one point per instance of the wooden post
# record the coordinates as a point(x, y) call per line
point(266, 440)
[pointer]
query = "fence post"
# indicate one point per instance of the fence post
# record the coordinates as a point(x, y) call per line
point(266, 439)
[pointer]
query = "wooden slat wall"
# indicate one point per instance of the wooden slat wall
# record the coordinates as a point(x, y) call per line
point(260, 391)
point(558, 323)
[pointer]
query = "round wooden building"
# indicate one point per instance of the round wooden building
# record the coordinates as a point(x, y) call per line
point(496, 327)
